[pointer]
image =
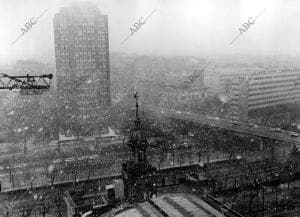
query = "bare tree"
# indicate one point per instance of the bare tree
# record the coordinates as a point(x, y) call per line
point(52, 174)
point(45, 208)
point(90, 169)
point(28, 175)
point(5, 209)
point(11, 177)
point(252, 195)
point(50, 170)
point(74, 171)
point(8, 167)
point(181, 157)
point(57, 199)
point(161, 157)
point(26, 211)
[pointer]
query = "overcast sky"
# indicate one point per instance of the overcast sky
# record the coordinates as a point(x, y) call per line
point(178, 27)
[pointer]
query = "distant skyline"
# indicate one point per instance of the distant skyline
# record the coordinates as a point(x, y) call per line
point(178, 27)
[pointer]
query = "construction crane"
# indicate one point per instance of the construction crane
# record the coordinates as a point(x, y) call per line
point(28, 84)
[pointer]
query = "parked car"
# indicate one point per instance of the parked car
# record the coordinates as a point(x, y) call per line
point(278, 130)
point(83, 158)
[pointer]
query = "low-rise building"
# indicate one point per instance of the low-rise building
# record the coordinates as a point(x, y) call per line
point(172, 96)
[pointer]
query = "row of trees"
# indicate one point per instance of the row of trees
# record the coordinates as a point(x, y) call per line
point(35, 202)
point(33, 115)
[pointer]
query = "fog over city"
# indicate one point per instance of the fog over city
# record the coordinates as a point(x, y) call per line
point(190, 27)
point(150, 108)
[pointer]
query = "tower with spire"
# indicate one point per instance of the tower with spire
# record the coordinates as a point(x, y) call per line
point(137, 173)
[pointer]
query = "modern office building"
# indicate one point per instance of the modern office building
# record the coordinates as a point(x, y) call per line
point(263, 89)
point(226, 79)
point(82, 63)
point(183, 99)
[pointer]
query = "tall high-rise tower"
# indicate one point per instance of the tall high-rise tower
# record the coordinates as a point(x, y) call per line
point(82, 63)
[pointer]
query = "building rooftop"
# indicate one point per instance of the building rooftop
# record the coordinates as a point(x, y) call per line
point(173, 205)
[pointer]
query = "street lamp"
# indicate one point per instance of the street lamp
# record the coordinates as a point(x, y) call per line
point(31, 181)
point(173, 154)
point(19, 130)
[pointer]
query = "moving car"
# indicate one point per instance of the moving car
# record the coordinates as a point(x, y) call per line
point(21, 165)
point(95, 156)
point(191, 134)
point(294, 134)
point(253, 125)
point(57, 161)
point(83, 158)
point(70, 160)
point(235, 123)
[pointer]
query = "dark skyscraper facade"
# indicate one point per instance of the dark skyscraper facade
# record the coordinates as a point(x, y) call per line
point(82, 63)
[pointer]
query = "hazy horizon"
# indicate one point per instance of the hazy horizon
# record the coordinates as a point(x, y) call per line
point(179, 28)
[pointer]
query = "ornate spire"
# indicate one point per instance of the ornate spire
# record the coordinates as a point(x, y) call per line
point(137, 119)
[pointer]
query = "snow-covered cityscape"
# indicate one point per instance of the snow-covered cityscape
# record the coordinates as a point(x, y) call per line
point(149, 108)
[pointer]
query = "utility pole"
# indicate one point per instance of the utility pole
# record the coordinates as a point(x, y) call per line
point(25, 148)
point(173, 154)
point(263, 200)
point(207, 154)
point(276, 201)
point(25, 134)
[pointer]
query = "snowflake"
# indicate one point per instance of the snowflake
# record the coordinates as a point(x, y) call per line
point(91, 147)
point(51, 168)
point(12, 112)
point(35, 196)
